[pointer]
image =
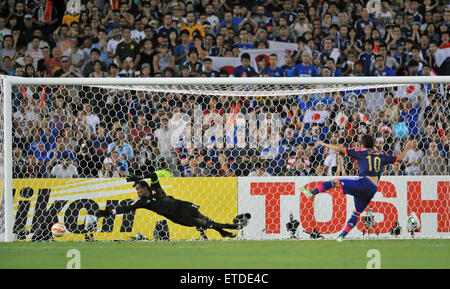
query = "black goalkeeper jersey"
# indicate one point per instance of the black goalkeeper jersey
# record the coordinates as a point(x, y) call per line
point(160, 203)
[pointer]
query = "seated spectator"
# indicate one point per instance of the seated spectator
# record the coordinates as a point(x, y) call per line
point(67, 69)
point(244, 40)
point(127, 69)
point(397, 170)
point(195, 66)
point(33, 168)
point(259, 171)
point(305, 68)
point(64, 169)
point(141, 131)
point(122, 147)
point(75, 54)
point(244, 70)
point(413, 160)
point(380, 67)
point(163, 58)
point(432, 163)
point(273, 70)
point(35, 51)
point(207, 68)
point(192, 169)
point(109, 170)
point(89, 66)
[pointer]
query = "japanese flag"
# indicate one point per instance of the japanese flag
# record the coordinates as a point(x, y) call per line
point(341, 119)
point(315, 116)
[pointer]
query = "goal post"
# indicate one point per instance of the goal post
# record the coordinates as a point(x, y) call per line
point(268, 106)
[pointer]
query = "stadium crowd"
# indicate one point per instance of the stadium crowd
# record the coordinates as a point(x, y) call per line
point(96, 132)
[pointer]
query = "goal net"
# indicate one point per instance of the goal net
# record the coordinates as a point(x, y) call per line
point(229, 145)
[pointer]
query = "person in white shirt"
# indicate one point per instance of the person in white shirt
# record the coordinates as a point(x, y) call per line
point(65, 169)
point(113, 42)
point(413, 159)
point(259, 171)
point(165, 147)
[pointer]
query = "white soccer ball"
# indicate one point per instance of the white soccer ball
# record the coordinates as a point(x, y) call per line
point(59, 230)
point(90, 223)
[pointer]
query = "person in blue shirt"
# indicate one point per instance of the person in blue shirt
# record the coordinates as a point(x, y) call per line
point(273, 69)
point(305, 68)
point(367, 56)
point(363, 188)
point(364, 21)
point(181, 50)
point(243, 40)
point(244, 70)
point(380, 67)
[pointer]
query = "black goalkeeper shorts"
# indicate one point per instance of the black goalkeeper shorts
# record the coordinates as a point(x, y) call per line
point(185, 213)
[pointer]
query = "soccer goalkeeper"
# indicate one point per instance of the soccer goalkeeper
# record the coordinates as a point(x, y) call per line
point(152, 197)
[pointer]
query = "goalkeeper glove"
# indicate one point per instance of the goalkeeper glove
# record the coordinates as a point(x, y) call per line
point(133, 178)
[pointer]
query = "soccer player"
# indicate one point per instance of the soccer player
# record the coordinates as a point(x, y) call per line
point(152, 197)
point(370, 163)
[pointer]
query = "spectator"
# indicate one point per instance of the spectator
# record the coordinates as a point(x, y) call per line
point(181, 50)
point(54, 62)
point(88, 164)
point(89, 66)
point(163, 58)
point(75, 54)
point(35, 51)
point(43, 20)
point(207, 68)
point(141, 130)
point(109, 170)
point(432, 163)
point(273, 69)
point(397, 170)
point(8, 49)
point(64, 169)
point(55, 156)
point(112, 43)
point(122, 147)
point(380, 67)
point(127, 48)
point(192, 169)
point(195, 66)
point(410, 115)
point(367, 56)
point(33, 168)
point(244, 70)
point(413, 159)
point(126, 68)
point(191, 26)
point(259, 171)
point(305, 68)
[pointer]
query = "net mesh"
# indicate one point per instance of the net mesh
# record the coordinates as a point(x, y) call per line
point(219, 146)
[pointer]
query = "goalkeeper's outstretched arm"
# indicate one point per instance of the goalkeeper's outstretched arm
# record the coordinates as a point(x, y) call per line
point(154, 180)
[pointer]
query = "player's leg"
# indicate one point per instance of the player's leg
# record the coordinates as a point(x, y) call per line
point(219, 227)
point(321, 188)
point(362, 191)
point(189, 215)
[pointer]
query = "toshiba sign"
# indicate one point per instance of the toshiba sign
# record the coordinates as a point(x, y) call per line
point(271, 202)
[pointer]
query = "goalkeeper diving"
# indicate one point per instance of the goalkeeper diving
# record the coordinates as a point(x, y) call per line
point(152, 197)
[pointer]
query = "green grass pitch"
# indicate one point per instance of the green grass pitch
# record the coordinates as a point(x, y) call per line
point(230, 254)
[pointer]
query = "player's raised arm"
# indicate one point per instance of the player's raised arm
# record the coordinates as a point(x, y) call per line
point(336, 148)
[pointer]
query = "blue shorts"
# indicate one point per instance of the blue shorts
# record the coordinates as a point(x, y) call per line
point(361, 188)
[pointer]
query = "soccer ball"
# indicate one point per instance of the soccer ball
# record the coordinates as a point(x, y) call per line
point(90, 223)
point(59, 230)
